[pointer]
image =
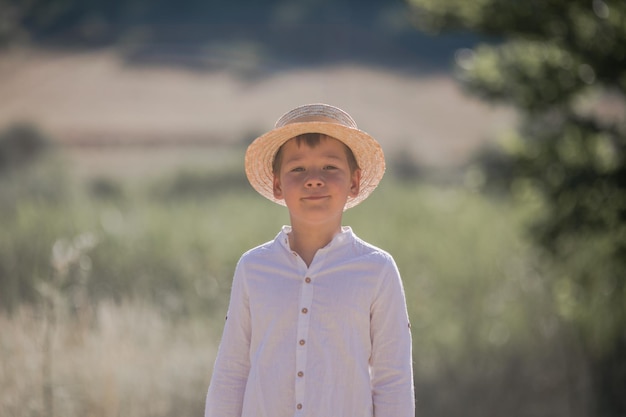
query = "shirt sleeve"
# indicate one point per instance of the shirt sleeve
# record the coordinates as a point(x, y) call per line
point(232, 363)
point(391, 358)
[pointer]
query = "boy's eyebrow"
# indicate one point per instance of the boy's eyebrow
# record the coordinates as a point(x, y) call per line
point(299, 157)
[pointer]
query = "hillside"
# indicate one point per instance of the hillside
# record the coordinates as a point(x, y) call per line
point(94, 99)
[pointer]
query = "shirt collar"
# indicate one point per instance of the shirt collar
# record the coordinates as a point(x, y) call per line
point(341, 238)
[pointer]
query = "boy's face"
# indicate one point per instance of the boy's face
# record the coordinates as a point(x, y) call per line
point(315, 182)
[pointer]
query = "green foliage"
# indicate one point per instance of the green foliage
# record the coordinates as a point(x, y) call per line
point(20, 145)
point(510, 72)
point(190, 184)
point(559, 63)
point(31, 181)
point(478, 306)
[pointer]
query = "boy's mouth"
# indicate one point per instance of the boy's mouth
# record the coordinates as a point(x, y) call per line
point(315, 197)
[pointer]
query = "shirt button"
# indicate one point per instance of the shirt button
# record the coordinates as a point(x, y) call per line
point(307, 280)
point(305, 310)
point(302, 342)
point(299, 406)
point(300, 374)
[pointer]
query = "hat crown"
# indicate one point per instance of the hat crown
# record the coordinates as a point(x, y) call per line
point(316, 113)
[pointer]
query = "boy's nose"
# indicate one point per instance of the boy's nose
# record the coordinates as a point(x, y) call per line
point(314, 181)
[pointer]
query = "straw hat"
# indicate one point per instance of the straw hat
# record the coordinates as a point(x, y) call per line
point(315, 118)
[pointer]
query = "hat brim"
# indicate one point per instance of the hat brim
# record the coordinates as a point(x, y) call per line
point(367, 151)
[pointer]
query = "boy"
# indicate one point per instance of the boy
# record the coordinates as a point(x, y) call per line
point(317, 324)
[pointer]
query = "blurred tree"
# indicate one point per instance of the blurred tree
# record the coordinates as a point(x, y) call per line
point(19, 145)
point(562, 64)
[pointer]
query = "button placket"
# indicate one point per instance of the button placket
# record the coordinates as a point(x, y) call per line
point(306, 298)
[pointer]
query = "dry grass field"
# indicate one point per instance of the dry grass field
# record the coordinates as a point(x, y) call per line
point(126, 362)
point(113, 114)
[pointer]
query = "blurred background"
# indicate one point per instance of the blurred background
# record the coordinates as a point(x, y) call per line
point(124, 206)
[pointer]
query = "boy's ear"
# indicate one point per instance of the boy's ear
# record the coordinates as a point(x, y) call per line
point(278, 191)
point(355, 184)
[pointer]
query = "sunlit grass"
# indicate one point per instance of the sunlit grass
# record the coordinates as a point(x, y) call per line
point(127, 360)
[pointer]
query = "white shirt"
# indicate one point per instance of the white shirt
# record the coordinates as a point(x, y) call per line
point(330, 340)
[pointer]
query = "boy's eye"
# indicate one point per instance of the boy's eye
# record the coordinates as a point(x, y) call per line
point(297, 169)
point(328, 167)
